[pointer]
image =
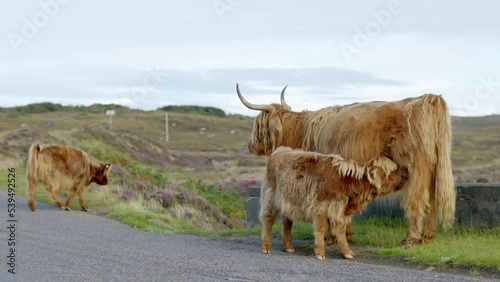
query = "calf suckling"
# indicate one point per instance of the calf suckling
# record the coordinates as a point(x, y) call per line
point(309, 186)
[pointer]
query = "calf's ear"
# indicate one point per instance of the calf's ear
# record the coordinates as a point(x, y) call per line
point(106, 167)
point(374, 176)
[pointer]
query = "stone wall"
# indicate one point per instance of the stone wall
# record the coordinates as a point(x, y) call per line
point(477, 204)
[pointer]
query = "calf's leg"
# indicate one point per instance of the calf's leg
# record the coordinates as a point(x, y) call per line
point(319, 224)
point(267, 218)
point(330, 238)
point(71, 196)
point(33, 184)
point(339, 230)
point(83, 205)
point(55, 195)
point(287, 234)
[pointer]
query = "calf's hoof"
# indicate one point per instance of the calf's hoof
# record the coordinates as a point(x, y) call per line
point(67, 208)
point(290, 250)
point(266, 248)
point(348, 256)
point(85, 209)
point(320, 257)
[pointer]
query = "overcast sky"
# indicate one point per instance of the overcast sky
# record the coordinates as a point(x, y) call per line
point(148, 54)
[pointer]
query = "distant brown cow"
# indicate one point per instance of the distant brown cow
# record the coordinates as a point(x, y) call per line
point(415, 133)
point(60, 167)
point(309, 186)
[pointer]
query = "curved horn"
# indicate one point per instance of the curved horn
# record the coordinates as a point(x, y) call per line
point(266, 108)
point(283, 102)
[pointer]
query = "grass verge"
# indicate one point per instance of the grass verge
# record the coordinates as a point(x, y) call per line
point(473, 248)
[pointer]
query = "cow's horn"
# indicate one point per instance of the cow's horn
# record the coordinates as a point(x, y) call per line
point(283, 102)
point(266, 108)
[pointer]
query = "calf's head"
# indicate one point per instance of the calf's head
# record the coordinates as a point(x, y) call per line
point(99, 174)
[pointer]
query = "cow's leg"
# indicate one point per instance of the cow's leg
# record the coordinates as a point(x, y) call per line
point(287, 234)
point(339, 230)
point(55, 195)
point(32, 186)
point(71, 196)
point(416, 201)
point(268, 218)
point(429, 231)
point(83, 204)
point(430, 222)
point(320, 223)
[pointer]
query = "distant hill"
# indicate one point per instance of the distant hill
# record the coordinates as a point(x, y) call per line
point(210, 111)
point(200, 138)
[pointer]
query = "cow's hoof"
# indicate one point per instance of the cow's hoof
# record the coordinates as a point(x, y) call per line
point(85, 210)
point(426, 239)
point(408, 243)
point(67, 208)
point(266, 251)
point(290, 250)
point(320, 257)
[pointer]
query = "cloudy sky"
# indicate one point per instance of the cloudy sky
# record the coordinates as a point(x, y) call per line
point(147, 54)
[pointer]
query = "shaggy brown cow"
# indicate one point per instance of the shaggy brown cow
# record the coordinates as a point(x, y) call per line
point(60, 167)
point(415, 133)
point(310, 186)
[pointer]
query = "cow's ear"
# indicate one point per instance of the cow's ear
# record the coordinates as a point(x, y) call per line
point(276, 132)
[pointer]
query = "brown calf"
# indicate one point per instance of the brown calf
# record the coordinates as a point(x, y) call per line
point(309, 186)
point(60, 167)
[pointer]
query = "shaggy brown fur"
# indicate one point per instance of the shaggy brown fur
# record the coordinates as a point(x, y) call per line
point(60, 167)
point(415, 133)
point(309, 186)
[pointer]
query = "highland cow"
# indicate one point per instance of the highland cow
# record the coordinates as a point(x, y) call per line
point(415, 133)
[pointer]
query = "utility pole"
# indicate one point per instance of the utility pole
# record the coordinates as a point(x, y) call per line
point(110, 113)
point(166, 127)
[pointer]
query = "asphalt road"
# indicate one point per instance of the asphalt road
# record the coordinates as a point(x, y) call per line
point(56, 245)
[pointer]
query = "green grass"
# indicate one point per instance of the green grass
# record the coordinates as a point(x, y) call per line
point(228, 199)
point(470, 247)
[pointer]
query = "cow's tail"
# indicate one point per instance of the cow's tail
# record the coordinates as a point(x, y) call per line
point(445, 195)
point(32, 173)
